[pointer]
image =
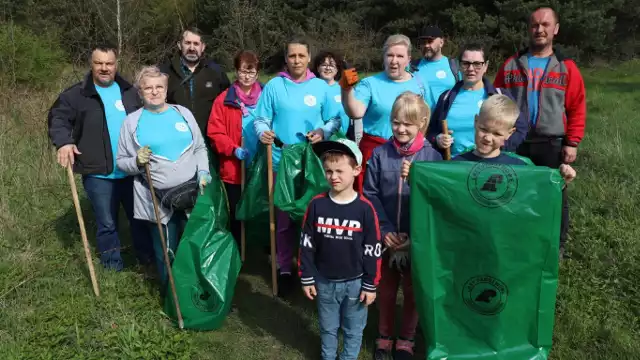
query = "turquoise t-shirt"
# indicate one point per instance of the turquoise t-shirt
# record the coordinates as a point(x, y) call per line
point(460, 118)
point(249, 134)
point(115, 114)
point(438, 75)
point(378, 93)
point(292, 109)
point(537, 67)
point(336, 95)
point(167, 133)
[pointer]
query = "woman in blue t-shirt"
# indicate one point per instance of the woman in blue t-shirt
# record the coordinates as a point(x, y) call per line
point(373, 97)
point(295, 106)
point(460, 105)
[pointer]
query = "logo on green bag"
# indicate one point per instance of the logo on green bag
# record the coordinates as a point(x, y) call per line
point(203, 300)
point(492, 185)
point(485, 294)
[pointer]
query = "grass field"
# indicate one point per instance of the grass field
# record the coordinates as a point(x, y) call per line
point(48, 310)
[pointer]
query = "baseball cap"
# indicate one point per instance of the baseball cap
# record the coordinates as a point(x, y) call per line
point(344, 146)
point(431, 32)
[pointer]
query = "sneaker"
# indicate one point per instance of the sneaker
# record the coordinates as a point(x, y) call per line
point(384, 344)
point(404, 349)
point(285, 284)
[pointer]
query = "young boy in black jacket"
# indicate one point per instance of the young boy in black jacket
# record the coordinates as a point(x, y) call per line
point(340, 251)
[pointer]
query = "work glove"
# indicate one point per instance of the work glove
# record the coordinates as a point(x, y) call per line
point(204, 179)
point(241, 153)
point(349, 79)
point(400, 258)
point(144, 154)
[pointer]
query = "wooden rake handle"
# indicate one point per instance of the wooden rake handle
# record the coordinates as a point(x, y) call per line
point(272, 222)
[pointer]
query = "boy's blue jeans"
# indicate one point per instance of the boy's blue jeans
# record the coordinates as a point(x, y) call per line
point(339, 306)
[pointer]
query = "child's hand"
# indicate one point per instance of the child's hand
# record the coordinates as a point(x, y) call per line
point(309, 291)
point(367, 297)
point(567, 172)
point(392, 240)
point(406, 165)
point(445, 140)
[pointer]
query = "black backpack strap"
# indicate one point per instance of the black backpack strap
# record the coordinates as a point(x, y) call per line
point(455, 69)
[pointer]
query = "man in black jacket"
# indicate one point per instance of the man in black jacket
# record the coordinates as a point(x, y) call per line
point(194, 81)
point(84, 126)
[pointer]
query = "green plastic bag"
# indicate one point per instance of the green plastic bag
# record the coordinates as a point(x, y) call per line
point(207, 264)
point(254, 201)
point(300, 178)
point(485, 258)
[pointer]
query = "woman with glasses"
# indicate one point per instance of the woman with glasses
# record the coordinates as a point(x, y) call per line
point(167, 138)
point(230, 121)
point(461, 104)
point(327, 66)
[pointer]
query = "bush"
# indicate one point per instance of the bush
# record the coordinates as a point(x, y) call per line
point(27, 58)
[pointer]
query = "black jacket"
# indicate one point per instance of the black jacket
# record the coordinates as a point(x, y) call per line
point(77, 117)
point(209, 82)
point(447, 98)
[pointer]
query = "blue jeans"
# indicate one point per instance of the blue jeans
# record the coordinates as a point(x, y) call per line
point(105, 196)
point(339, 306)
point(172, 232)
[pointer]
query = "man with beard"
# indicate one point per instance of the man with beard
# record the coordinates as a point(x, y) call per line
point(194, 81)
point(550, 90)
point(84, 126)
point(435, 69)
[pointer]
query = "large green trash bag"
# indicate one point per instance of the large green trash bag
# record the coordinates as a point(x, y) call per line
point(207, 264)
point(300, 178)
point(485, 258)
point(254, 201)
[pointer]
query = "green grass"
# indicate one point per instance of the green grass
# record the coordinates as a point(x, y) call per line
point(48, 310)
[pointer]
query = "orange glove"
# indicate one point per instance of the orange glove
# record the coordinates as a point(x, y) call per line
point(349, 78)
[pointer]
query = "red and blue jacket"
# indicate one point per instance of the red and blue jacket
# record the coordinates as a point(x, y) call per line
point(562, 105)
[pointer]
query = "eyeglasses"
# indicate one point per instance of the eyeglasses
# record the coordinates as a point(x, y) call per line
point(248, 74)
point(328, 66)
point(476, 64)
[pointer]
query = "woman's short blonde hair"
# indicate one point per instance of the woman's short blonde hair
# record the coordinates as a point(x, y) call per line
point(397, 39)
point(412, 108)
point(147, 72)
point(499, 109)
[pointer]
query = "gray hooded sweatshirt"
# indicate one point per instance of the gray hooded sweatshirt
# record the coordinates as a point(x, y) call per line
point(164, 173)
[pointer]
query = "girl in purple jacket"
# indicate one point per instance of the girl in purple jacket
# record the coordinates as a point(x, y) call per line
point(387, 188)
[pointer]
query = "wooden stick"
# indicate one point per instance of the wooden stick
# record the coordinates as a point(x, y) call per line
point(445, 130)
point(272, 222)
point(167, 263)
point(242, 230)
point(83, 230)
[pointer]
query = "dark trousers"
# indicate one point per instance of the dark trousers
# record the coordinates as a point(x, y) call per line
point(548, 152)
point(233, 195)
point(105, 196)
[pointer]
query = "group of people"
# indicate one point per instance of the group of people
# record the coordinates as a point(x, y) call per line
point(354, 245)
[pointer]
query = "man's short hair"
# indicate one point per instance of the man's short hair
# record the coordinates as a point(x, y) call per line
point(555, 14)
point(194, 30)
point(104, 47)
point(501, 109)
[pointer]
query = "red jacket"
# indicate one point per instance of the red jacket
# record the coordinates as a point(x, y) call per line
point(225, 132)
point(562, 106)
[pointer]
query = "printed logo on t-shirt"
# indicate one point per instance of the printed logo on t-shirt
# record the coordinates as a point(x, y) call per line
point(182, 127)
point(480, 103)
point(310, 100)
point(329, 226)
point(441, 74)
point(119, 105)
point(208, 84)
point(337, 98)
